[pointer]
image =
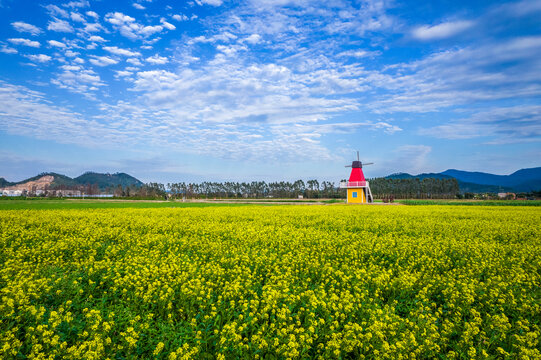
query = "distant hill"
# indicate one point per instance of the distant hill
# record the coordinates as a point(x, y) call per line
point(59, 179)
point(107, 180)
point(53, 180)
point(519, 181)
point(4, 183)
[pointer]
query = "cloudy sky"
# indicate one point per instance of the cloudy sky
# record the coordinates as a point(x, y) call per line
point(268, 89)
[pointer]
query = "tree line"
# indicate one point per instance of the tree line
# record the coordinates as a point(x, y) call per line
point(255, 189)
point(413, 188)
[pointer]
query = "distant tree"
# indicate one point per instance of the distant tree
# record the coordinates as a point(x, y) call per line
point(118, 192)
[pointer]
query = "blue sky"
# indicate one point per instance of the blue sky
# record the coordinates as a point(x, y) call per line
point(268, 89)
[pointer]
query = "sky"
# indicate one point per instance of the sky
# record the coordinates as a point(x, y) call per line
point(218, 90)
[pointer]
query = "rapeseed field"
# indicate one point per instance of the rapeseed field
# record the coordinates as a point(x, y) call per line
point(278, 282)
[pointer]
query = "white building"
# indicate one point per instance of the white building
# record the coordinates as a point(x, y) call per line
point(6, 192)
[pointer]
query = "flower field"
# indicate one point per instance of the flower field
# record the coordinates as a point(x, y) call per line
point(271, 282)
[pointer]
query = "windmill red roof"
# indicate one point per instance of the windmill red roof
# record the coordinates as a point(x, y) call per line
point(356, 172)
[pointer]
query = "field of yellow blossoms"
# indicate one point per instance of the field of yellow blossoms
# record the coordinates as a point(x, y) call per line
point(271, 282)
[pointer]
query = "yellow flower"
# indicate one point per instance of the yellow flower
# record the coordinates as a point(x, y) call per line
point(158, 348)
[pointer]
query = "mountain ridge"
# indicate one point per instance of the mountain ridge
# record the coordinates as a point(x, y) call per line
point(522, 180)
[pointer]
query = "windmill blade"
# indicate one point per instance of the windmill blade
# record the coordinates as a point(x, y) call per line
point(347, 166)
point(358, 156)
point(368, 164)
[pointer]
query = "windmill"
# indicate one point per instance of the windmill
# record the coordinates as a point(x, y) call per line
point(357, 187)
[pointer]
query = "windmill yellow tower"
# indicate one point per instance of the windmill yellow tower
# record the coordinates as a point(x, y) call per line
point(357, 187)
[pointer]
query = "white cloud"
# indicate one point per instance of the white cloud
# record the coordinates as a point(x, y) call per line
point(25, 42)
point(119, 19)
point(209, 2)
point(24, 27)
point(77, 17)
point(157, 60)
point(230, 50)
point(371, 17)
point(60, 26)
point(102, 61)
point(221, 37)
point(134, 61)
point(180, 17)
point(57, 44)
point(81, 81)
point(71, 67)
point(56, 11)
point(138, 6)
point(118, 51)
point(93, 27)
point(224, 36)
point(70, 53)
point(386, 127)
point(92, 14)
point(522, 8)
point(129, 28)
point(167, 25)
point(150, 30)
point(96, 38)
point(7, 50)
point(42, 58)
point(360, 53)
point(124, 73)
point(441, 31)
point(316, 130)
point(77, 4)
point(252, 39)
